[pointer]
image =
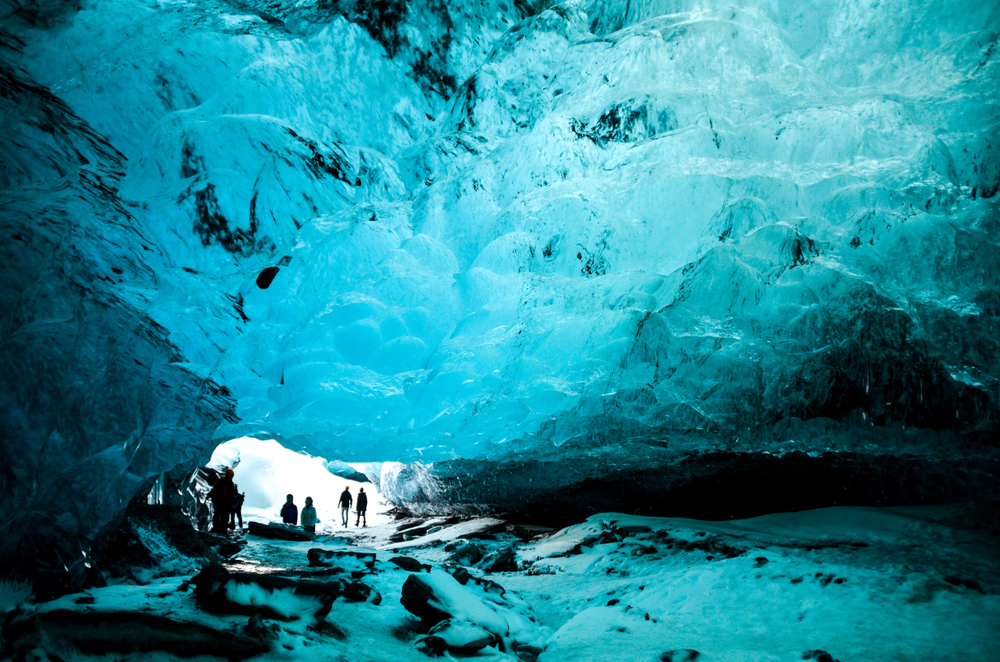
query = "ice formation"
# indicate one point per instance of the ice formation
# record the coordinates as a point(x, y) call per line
point(426, 231)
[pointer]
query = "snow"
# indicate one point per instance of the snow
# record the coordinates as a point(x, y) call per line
point(858, 583)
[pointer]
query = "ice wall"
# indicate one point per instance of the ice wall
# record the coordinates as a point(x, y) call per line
point(427, 230)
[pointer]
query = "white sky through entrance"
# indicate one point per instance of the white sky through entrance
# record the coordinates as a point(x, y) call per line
point(266, 472)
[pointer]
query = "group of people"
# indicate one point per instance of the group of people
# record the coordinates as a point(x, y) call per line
point(290, 512)
point(227, 502)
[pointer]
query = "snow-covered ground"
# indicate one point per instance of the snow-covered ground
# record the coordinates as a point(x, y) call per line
point(848, 584)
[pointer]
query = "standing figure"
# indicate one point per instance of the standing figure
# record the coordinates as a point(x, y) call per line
point(345, 505)
point(309, 516)
point(289, 512)
point(362, 506)
point(236, 509)
point(221, 495)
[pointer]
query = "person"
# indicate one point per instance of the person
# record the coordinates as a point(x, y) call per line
point(309, 516)
point(345, 505)
point(236, 509)
point(289, 512)
point(221, 495)
point(362, 506)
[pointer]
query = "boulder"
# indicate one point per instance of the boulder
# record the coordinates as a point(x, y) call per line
point(346, 560)
point(277, 531)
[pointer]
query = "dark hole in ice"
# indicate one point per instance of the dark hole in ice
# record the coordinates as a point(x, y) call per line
point(265, 277)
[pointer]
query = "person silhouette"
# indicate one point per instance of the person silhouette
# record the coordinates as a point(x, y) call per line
point(289, 512)
point(362, 506)
point(345, 505)
point(309, 516)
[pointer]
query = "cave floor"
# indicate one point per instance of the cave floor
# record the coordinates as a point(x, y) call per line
point(833, 584)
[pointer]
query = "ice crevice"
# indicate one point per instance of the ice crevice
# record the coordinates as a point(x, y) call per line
point(603, 243)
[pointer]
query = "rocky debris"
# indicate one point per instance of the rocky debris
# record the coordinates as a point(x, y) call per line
point(499, 560)
point(456, 636)
point(464, 552)
point(282, 598)
point(819, 656)
point(409, 564)
point(964, 582)
point(157, 537)
point(411, 530)
point(277, 531)
point(436, 597)
point(129, 633)
point(682, 655)
point(528, 531)
point(345, 560)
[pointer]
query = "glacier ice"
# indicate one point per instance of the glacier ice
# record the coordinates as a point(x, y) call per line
point(577, 232)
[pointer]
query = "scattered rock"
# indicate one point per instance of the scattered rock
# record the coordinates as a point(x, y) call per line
point(353, 561)
point(964, 582)
point(220, 591)
point(457, 636)
point(500, 560)
point(409, 564)
point(819, 656)
point(681, 655)
point(128, 633)
point(761, 561)
point(277, 531)
point(464, 552)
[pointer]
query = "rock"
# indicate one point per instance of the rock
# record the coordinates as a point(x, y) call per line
point(353, 561)
point(437, 596)
point(409, 564)
point(681, 655)
point(220, 591)
point(464, 552)
point(126, 633)
point(457, 636)
point(277, 531)
point(819, 656)
point(501, 560)
point(416, 598)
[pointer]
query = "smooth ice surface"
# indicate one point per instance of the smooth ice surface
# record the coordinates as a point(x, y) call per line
point(266, 472)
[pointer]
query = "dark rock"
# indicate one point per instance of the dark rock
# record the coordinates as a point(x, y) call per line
point(277, 531)
point(457, 636)
point(760, 562)
point(819, 656)
point(964, 582)
point(348, 560)
point(212, 590)
point(416, 598)
point(501, 560)
point(409, 564)
point(681, 655)
point(128, 633)
point(464, 552)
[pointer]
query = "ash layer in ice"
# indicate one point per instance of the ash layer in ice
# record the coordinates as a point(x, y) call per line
point(496, 231)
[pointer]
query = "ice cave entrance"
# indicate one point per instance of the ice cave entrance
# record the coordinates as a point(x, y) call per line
point(265, 471)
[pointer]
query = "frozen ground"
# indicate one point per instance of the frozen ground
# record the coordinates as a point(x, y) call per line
point(846, 584)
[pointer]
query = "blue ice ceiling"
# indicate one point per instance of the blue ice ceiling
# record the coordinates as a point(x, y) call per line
point(430, 230)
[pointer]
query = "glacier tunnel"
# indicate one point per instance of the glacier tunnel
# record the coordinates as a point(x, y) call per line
point(693, 258)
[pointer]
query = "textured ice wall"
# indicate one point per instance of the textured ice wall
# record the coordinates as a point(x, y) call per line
point(426, 230)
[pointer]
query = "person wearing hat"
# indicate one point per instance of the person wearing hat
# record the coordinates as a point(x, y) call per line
point(362, 506)
point(221, 495)
point(345, 505)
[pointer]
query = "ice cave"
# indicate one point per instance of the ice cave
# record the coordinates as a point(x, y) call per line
point(656, 330)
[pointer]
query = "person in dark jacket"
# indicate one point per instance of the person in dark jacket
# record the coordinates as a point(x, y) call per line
point(236, 507)
point(345, 505)
point(290, 512)
point(221, 495)
point(362, 506)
